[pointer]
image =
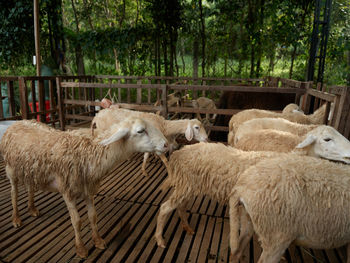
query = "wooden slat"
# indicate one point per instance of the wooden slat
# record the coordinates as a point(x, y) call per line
point(127, 207)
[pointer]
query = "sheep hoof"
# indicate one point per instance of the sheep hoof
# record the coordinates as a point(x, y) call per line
point(100, 243)
point(34, 212)
point(16, 222)
point(145, 174)
point(160, 242)
point(188, 229)
point(81, 251)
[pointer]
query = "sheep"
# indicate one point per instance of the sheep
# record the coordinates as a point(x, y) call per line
point(43, 158)
point(316, 118)
point(297, 199)
point(292, 108)
point(204, 103)
point(247, 100)
point(321, 141)
point(211, 169)
point(254, 125)
point(190, 128)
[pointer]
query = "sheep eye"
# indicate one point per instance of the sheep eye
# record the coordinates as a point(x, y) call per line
point(141, 131)
point(196, 127)
point(327, 139)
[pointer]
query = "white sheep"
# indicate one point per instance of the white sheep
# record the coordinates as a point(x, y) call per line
point(316, 118)
point(211, 169)
point(43, 158)
point(192, 129)
point(254, 125)
point(292, 108)
point(296, 199)
point(321, 141)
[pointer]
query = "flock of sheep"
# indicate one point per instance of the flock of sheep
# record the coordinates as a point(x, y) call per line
point(283, 175)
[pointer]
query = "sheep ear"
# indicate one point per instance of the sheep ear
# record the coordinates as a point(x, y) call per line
point(189, 133)
point(310, 139)
point(121, 133)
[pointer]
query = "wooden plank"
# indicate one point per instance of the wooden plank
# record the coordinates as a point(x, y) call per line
point(41, 100)
point(322, 95)
point(11, 98)
point(188, 240)
point(343, 111)
point(197, 110)
point(157, 256)
point(147, 236)
point(61, 110)
point(215, 243)
point(203, 255)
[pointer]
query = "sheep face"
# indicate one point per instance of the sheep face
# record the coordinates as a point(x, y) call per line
point(141, 136)
point(327, 143)
point(196, 130)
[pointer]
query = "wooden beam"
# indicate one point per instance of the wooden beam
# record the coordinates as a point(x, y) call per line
point(37, 36)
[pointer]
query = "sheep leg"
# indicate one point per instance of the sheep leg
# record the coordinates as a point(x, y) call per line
point(76, 222)
point(273, 254)
point(145, 158)
point(234, 229)
point(98, 241)
point(165, 161)
point(181, 210)
point(247, 230)
point(164, 210)
point(33, 211)
point(246, 234)
point(16, 221)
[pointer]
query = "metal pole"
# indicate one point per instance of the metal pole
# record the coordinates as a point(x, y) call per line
point(37, 36)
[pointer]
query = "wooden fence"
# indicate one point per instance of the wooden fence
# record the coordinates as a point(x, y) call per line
point(73, 99)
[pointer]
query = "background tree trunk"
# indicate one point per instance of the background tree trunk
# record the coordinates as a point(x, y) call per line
point(202, 37)
point(195, 57)
point(79, 59)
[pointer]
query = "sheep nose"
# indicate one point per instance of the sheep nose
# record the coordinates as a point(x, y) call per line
point(166, 145)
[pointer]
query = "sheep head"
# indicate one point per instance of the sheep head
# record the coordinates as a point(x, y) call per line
point(196, 130)
point(291, 108)
point(138, 134)
point(326, 142)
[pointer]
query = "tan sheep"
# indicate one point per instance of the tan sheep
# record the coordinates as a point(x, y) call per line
point(205, 103)
point(316, 118)
point(192, 129)
point(321, 141)
point(291, 108)
point(202, 168)
point(43, 158)
point(211, 169)
point(279, 124)
point(296, 199)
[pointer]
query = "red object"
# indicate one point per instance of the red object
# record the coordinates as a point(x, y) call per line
point(47, 107)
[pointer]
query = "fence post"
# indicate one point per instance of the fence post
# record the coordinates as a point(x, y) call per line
point(11, 98)
point(60, 103)
point(343, 112)
point(164, 101)
point(42, 106)
point(23, 94)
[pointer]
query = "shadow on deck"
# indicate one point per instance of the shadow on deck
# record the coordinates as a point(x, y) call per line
point(127, 206)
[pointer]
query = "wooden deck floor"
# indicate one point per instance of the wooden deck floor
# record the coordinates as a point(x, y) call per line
point(127, 206)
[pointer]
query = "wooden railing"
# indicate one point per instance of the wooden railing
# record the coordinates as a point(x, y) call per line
point(28, 98)
point(140, 96)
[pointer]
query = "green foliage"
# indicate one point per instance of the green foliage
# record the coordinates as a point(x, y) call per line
point(16, 33)
point(242, 38)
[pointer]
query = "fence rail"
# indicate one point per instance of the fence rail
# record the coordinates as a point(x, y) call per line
point(70, 99)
